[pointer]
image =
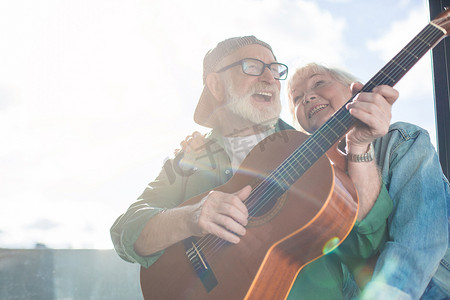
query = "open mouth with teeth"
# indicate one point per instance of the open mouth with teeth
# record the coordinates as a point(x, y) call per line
point(263, 96)
point(316, 109)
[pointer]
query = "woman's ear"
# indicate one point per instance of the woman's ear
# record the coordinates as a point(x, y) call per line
point(215, 86)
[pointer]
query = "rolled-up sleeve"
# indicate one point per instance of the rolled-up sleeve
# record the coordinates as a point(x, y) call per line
point(162, 193)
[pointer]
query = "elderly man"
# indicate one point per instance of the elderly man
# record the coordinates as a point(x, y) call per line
point(241, 103)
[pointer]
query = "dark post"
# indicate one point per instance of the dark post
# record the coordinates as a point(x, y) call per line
point(441, 75)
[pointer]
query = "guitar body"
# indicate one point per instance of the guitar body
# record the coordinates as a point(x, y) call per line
point(312, 217)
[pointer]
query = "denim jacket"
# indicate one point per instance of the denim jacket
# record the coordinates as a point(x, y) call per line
point(418, 224)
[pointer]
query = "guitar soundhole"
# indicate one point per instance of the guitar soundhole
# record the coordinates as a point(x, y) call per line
point(268, 211)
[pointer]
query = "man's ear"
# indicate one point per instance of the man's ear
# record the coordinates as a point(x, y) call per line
point(215, 86)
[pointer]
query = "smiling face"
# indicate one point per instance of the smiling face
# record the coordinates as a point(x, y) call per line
point(315, 97)
point(260, 104)
point(255, 99)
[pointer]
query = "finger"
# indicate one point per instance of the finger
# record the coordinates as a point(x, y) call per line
point(369, 130)
point(195, 141)
point(224, 234)
point(370, 110)
point(377, 122)
point(230, 224)
point(387, 92)
point(196, 134)
point(356, 87)
point(244, 192)
point(380, 94)
point(235, 209)
point(371, 102)
point(242, 195)
point(230, 205)
point(185, 146)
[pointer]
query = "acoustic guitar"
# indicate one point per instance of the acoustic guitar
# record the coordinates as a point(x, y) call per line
point(301, 207)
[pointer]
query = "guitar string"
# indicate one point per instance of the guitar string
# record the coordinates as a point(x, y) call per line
point(273, 190)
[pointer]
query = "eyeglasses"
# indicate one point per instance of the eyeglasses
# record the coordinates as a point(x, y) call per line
point(256, 67)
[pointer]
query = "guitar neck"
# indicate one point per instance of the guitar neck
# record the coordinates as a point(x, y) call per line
point(395, 69)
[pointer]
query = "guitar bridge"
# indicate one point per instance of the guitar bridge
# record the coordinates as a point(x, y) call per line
point(200, 264)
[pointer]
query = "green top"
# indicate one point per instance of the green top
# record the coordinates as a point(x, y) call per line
point(325, 278)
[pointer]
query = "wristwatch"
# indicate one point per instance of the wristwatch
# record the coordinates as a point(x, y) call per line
point(365, 157)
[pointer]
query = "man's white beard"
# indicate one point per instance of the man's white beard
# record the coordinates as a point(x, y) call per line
point(241, 105)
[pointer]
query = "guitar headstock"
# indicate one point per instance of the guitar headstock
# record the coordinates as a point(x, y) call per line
point(443, 21)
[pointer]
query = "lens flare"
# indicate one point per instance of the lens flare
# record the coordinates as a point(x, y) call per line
point(330, 245)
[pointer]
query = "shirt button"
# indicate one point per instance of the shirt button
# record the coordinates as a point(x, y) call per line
point(227, 172)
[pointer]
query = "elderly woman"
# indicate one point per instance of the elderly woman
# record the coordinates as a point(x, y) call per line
point(415, 239)
point(397, 242)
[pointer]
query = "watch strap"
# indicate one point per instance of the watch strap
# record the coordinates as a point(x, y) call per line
point(365, 157)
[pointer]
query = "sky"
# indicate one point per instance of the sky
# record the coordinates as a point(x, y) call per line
point(96, 94)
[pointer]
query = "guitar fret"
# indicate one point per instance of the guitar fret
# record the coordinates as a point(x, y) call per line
point(410, 53)
point(387, 75)
point(423, 41)
point(331, 129)
point(281, 181)
point(294, 169)
point(395, 62)
point(345, 126)
point(335, 133)
point(306, 158)
point(320, 132)
point(318, 146)
point(369, 86)
point(292, 178)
